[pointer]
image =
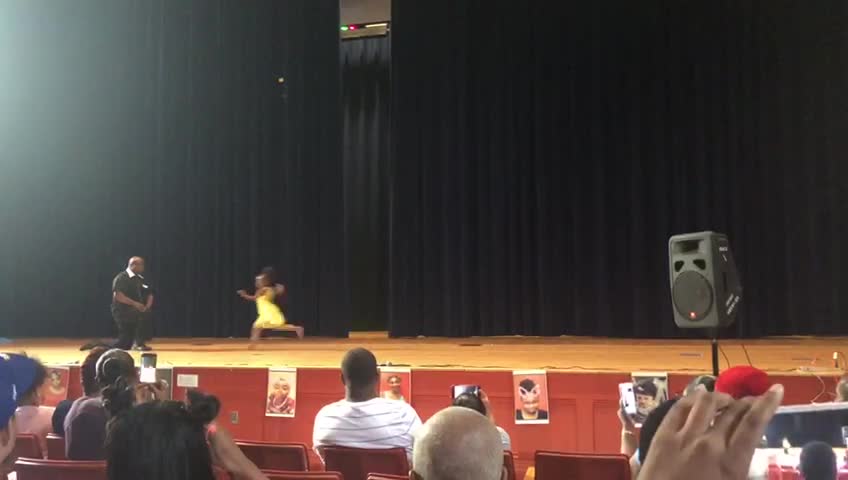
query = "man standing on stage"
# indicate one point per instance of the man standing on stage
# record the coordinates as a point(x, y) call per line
point(132, 300)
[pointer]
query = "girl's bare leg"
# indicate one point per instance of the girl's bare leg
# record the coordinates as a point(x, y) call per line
point(255, 333)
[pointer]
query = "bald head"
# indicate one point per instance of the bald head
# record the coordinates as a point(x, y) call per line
point(136, 264)
point(457, 444)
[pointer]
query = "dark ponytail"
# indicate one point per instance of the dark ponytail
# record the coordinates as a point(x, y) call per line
point(118, 397)
point(202, 408)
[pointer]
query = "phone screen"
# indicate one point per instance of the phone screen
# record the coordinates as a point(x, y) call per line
point(628, 398)
point(148, 368)
point(458, 390)
point(797, 425)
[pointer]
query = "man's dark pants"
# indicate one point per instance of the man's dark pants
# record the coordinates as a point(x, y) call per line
point(133, 327)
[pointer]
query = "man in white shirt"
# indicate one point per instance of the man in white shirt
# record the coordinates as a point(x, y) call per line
point(363, 419)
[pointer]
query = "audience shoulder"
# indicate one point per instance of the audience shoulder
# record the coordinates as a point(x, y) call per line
point(330, 409)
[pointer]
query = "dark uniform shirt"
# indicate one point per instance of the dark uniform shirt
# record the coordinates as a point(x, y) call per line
point(133, 287)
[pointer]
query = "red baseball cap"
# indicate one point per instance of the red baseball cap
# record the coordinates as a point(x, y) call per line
point(743, 381)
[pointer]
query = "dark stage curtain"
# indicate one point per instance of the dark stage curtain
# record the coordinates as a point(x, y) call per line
point(543, 153)
point(366, 106)
point(159, 128)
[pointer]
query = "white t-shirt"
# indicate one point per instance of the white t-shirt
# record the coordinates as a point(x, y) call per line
point(376, 423)
point(506, 442)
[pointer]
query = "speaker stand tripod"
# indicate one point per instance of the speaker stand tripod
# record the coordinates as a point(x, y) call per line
point(714, 350)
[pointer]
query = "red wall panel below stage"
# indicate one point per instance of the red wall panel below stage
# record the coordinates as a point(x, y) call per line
point(582, 405)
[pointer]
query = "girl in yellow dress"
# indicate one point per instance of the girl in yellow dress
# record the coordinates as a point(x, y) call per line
point(269, 314)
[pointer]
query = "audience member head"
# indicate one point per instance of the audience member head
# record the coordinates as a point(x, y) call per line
point(29, 378)
point(842, 390)
point(701, 382)
point(743, 381)
point(112, 365)
point(457, 444)
point(164, 440)
point(818, 462)
point(117, 378)
point(360, 375)
point(649, 428)
point(469, 400)
point(59, 415)
point(88, 371)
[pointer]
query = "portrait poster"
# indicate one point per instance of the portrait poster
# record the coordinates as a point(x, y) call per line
point(282, 392)
point(530, 389)
point(650, 390)
point(396, 384)
point(56, 387)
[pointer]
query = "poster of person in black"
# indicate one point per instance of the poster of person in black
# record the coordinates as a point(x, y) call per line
point(132, 301)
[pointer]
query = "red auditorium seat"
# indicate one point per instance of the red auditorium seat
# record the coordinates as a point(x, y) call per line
point(509, 465)
point(55, 447)
point(358, 463)
point(40, 469)
point(290, 457)
point(578, 466)
point(278, 475)
point(26, 446)
point(789, 473)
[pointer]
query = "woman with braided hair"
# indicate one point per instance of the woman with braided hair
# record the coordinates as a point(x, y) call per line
point(170, 440)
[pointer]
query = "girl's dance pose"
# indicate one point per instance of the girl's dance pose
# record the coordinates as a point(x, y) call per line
point(269, 314)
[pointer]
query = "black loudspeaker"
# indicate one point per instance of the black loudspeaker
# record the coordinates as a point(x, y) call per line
point(705, 287)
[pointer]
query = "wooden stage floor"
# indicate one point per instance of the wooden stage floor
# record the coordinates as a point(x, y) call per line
point(785, 355)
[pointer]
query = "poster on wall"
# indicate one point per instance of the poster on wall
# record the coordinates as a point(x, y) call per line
point(650, 390)
point(396, 384)
point(282, 392)
point(530, 388)
point(56, 387)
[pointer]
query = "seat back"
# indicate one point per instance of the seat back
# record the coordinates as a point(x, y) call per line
point(789, 473)
point(358, 463)
point(577, 466)
point(386, 476)
point(279, 475)
point(290, 457)
point(40, 469)
point(55, 447)
point(27, 446)
point(509, 465)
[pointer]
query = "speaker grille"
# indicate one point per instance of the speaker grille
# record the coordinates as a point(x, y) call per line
point(692, 296)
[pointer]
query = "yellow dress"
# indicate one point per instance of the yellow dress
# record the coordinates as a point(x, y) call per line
point(270, 315)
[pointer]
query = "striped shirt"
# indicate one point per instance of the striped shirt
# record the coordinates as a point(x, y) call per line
point(376, 423)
